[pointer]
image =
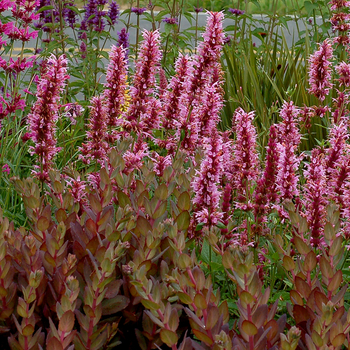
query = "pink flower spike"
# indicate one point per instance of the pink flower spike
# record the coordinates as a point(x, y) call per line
point(315, 196)
point(205, 183)
point(114, 93)
point(320, 70)
point(44, 114)
point(144, 84)
point(246, 160)
point(96, 147)
point(343, 70)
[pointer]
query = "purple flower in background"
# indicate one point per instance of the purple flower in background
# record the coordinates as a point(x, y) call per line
point(198, 9)
point(123, 40)
point(170, 20)
point(113, 12)
point(138, 10)
point(236, 12)
point(228, 40)
point(69, 15)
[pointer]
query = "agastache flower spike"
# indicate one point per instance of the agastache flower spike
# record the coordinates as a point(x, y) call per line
point(288, 162)
point(205, 183)
point(147, 66)
point(315, 196)
point(116, 77)
point(246, 160)
point(96, 147)
point(343, 70)
point(266, 190)
point(44, 114)
point(320, 70)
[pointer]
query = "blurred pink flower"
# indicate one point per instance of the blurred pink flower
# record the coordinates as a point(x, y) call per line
point(6, 169)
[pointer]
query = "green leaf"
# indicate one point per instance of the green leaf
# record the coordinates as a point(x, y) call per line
point(168, 337)
point(205, 253)
point(183, 220)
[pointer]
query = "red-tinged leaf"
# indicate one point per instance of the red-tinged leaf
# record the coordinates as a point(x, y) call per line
point(318, 341)
point(338, 314)
point(123, 199)
point(43, 223)
point(223, 310)
point(161, 192)
point(100, 341)
point(184, 298)
point(66, 323)
point(212, 318)
point(302, 247)
point(260, 316)
point(154, 319)
point(249, 328)
point(194, 317)
point(295, 298)
point(310, 344)
point(114, 305)
point(227, 260)
point(329, 231)
point(272, 324)
point(91, 226)
point(22, 308)
point(28, 330)
point(49, 259)
point(246, 298)
point(3, 292)
point(168, 337)
point(301, 314)
point(326, 268)
point(335, 281)
point(336, 246)
point(143, 225)
point(288, 263)
point(150, 305)
point(160, 211)
point(184, 261)
point(183, 220)
point(173, 320)
point(202, 337)
point(302, 287)
point(61, 215)
point(95, 203)
point(200, 302)
point(184, 201)
point(310, 262)
point(82, 320)
point(338, 340)
point(54, 344)
point(319, 299)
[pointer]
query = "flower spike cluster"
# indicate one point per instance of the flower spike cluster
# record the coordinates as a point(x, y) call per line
point(205, 183)
point(44, 114)
point(143, 88)
point(96, 147)
point(288, 162)
point(116, 77)
point(320, 70)
point(315, 196)
point(246, 161)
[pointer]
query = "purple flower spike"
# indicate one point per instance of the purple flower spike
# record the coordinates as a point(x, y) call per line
point(138, 10)
point(123, 40)
point(44, 114)
point(320, 70)
point(236, 12)
point(170, 20)
point(198, 9)
point(113, 12)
